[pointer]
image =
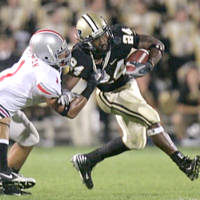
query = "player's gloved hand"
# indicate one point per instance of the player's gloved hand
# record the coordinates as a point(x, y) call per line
point(99, 77)
point(66, 97)
point(96, 78)
point(104, 77)
point(63, 100)
point(71, 95)
point(138, 69)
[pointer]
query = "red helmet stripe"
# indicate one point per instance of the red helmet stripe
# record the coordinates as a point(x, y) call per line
point(49, 31)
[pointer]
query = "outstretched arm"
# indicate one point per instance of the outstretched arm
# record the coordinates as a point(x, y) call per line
point(68, 108)
point(69, 81)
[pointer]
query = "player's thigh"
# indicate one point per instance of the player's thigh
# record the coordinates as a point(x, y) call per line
point(134, 134)
point(130, 104)
point(4, 128)
point(16, 129)
point(105, 105)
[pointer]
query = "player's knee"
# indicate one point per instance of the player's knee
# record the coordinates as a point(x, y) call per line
point(136, 138)
point(29, 137)
point(151, 115)
point(134, 144)
point(34, 138)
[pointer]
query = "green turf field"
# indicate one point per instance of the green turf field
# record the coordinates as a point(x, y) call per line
point(136, 175)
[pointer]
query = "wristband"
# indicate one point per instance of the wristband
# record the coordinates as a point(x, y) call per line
point(88, 90)
point(65, 111)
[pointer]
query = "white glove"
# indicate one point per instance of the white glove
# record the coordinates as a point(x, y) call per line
point(66, 97)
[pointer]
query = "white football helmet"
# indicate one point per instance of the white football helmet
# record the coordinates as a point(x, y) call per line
point(51, 47)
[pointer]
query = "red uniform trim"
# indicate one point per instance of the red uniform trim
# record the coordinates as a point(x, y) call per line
point(3, 113)
point(11, 74)
point(42, 89)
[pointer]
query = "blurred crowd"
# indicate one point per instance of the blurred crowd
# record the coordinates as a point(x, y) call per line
point(172, 88)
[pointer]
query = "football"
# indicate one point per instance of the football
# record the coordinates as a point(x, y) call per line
point(140, 55)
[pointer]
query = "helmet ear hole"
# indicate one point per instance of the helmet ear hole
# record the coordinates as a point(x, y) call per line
point(79, 33)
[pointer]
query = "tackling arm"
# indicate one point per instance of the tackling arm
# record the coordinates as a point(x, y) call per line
point(76, 105)
point(70, 104)
point(69, 81)
point(70, 109)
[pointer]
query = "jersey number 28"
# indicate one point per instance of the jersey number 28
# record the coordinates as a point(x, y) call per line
point(128, 36)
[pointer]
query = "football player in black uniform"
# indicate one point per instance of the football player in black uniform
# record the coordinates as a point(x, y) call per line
point(104, 50)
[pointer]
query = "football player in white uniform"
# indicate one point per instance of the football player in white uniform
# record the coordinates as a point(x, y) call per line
point(35, 78)
point(106, 48)
point(25, 136)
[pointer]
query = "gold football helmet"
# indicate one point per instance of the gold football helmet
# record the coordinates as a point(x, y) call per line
point(90, 28)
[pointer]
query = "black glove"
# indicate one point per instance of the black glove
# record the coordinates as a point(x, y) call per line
point(95, 78)
point(139, 69)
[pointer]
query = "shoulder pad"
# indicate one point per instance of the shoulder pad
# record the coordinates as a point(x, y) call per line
point(81, 62)
point(125, 34)
point(119, 29)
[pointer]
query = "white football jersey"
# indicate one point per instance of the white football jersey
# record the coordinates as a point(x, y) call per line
point(26, 83)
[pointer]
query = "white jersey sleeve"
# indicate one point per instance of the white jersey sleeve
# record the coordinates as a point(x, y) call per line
point(48, 81)
point(26, 83)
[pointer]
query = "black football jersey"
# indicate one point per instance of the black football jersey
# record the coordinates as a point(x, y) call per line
point(124, 39)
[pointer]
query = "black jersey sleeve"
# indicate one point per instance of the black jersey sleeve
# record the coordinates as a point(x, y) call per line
point(125, 36)
point(81, 63)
